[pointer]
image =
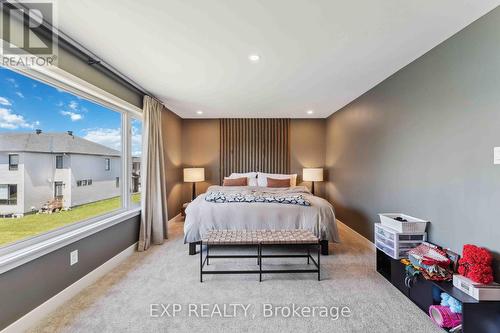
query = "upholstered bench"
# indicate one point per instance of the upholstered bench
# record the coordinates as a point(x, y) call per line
point(260, 239)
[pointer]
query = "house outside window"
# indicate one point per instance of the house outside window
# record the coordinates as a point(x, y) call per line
point(107, 164)
point(8, 194)
point(59, 161)
point(135, 175)
point(13, 161)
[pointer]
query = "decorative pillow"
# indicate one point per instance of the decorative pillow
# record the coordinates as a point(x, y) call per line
point(252, 177)
point(272, 182)
point(243, 181)
point(262, 178)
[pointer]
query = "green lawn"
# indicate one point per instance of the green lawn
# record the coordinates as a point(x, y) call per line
point(12, 230)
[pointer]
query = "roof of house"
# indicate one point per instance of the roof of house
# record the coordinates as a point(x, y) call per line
point(52, 143)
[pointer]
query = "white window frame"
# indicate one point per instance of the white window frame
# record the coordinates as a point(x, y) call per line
point(25, 250)
point(61, 157)
point(11, 165)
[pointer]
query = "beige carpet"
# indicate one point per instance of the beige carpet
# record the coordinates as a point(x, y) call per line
point(121, 301)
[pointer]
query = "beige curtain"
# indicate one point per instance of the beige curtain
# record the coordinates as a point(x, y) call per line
point(154, 194)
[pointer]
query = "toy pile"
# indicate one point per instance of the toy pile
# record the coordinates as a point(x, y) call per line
point(430, 261)
point(448, 314)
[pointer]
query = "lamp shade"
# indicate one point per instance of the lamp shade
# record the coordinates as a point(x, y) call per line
point(194, 174)
point(312, 174)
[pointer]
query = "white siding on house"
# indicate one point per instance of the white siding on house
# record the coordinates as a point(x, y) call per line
point(84, 167)
point(37, 174)
point(12, 177)
point(39, 177)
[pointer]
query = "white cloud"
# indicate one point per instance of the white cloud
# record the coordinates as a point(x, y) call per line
point(73, 115)
point(73, 105)
point(9, 120)
point(4, 101)
point(20, 94)
point(13, 82)
point(109, 137)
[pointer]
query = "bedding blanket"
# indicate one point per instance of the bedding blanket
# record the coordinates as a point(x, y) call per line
point(256, 195)
point(205, 213)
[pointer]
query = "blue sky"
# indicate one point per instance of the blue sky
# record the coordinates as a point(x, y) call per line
point(27, 104)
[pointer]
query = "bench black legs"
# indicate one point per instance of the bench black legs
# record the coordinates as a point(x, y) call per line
point(324, 247)
point(192, 248)
point(204, 260)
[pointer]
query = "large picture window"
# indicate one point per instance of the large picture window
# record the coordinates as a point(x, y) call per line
point(59, 141)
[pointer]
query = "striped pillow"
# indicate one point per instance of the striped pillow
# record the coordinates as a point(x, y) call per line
point(243, 181)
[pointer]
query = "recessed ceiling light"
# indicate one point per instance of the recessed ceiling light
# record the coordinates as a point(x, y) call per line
point(199, 112)
point(254, 57)
point(310, 111)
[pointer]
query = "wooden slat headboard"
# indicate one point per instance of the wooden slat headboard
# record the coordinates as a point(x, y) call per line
point(254, 145)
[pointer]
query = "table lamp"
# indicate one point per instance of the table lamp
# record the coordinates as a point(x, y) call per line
point(193, 175)
point(312, 175)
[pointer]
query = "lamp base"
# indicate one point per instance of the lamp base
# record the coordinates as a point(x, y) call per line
point(193, 196)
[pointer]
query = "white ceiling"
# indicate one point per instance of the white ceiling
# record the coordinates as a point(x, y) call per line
point(315, 54)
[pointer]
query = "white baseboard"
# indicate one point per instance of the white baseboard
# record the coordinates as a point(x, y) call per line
point(34, 316)
point(177, 218)
point(362, 238)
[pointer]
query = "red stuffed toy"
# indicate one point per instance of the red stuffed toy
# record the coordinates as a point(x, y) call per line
point(475, 264)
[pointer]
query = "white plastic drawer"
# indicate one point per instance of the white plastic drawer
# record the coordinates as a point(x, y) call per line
point(385, 241)
point(409, 246)
point(417, 237)
point(384, 233)
point(389, 251)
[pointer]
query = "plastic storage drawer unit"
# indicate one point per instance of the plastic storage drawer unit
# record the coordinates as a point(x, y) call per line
point(397, 244)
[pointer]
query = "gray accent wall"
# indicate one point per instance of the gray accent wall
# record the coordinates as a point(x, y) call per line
point(421, 142)
point(26, 287)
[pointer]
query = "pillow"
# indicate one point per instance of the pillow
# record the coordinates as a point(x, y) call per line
point(272, 182)
point(262, 178)
point(243, 181)
point(252, 177)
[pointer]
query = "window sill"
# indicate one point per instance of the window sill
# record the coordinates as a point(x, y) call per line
point(28, 253)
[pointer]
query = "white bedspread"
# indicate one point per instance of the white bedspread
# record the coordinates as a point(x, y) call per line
point(202, 215)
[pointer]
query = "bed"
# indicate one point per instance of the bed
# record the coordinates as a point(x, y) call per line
point(257, 208)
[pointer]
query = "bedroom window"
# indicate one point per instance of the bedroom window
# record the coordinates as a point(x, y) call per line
point(83, 129)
